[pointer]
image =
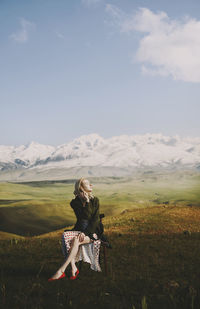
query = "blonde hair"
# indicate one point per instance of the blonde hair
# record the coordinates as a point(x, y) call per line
point(80, 191)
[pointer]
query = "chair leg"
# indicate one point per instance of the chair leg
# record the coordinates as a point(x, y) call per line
point(80, 265)
point(105, 260)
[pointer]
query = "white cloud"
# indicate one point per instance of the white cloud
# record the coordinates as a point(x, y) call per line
point(116, 13)
point(118, 16)
point(22, 35)
point(168, 47)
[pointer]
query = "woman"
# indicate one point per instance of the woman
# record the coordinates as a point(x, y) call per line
point(87, 230)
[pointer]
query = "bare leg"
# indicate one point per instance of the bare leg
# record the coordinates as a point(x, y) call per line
point(74, 268)
point(71, 257)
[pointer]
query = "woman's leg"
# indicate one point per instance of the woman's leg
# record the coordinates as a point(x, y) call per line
point(71, 257)
point(73, 265)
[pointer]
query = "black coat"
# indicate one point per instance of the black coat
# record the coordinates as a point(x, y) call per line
point(87, 216)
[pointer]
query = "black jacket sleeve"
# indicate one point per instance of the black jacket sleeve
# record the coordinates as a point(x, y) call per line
point(94, 221)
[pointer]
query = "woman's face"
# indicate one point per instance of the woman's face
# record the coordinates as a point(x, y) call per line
point(87, 185)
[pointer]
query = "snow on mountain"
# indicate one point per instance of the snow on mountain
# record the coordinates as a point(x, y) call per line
point(80, 149)
point(146, 150)
point(6, 153)
point(24, 155)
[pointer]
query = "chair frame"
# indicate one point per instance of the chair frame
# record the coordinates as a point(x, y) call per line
point(101, 216)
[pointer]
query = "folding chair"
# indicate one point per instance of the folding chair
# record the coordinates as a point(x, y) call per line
point(105, 244)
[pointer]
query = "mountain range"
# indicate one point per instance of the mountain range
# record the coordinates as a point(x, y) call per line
point(93, 155)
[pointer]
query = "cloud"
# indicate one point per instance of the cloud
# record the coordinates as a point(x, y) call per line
point(168, 47)
point(89, 3)
point(22, 35)
point(118, 16)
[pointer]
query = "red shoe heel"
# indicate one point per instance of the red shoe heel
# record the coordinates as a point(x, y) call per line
point(62, 276)
point(76, 274)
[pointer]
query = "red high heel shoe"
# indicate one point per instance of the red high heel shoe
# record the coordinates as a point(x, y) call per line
point(76, 274)
point(62, 276)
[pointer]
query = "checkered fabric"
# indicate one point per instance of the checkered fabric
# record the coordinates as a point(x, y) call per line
point(88, 252)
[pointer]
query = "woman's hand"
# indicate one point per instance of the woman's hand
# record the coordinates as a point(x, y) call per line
point(84, 196)
point(81, 236)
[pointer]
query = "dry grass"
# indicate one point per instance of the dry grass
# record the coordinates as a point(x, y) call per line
point(154, 263)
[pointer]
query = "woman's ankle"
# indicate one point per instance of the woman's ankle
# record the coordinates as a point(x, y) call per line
point(74, 270)
point(61, 270)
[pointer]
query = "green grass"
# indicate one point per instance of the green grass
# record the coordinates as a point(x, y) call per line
point(152, 220)
point(153, 264)
point(34, 208)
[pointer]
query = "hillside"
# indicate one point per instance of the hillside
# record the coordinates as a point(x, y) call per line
point(154, 263)
point(4, 235)
point(33, 208)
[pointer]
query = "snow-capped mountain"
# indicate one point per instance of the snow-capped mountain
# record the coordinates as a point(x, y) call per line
point(13, 157)
point(119, 152)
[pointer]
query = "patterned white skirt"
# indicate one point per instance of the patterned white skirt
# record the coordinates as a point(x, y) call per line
point(87, 252)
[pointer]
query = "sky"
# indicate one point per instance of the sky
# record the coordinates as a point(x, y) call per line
point(76, 67)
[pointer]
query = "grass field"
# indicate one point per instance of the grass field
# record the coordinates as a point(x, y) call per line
point(154, 263)
point(34, 208)
point(152, 221)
